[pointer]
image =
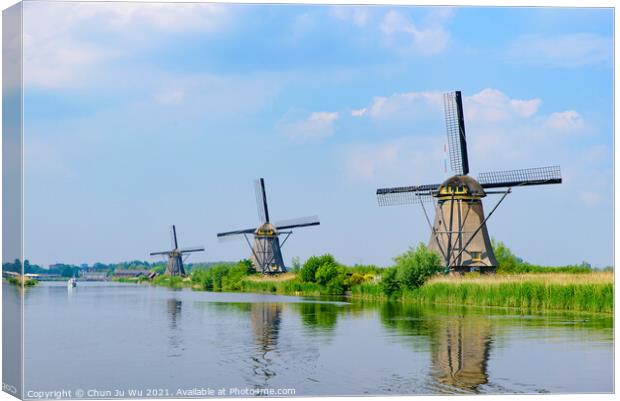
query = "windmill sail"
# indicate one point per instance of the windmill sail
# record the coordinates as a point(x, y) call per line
point(261, 201)
point(523, 177)
point(299, 222)
point(236, 232)
point(174, 266)
point(455, 128)
point(173, 237)
point(406, 195)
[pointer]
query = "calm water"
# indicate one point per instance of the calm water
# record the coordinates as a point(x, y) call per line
point(104, 336)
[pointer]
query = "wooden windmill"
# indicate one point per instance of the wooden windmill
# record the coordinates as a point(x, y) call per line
point(266, 249)
point(459, 233)
point(175, 255)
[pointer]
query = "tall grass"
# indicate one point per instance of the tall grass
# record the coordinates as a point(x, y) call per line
point(578, 292)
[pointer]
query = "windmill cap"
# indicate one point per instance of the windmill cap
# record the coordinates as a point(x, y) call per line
point(461, 185)
point(266, 229)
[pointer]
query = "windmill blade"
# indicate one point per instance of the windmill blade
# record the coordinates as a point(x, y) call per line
point(173, 237)
point(523, 177)
point(299, 222)
point(160, 253)
point(192, 249)
point(455, 128)
point(406, 195)
point(261, 200)
point(237, 232)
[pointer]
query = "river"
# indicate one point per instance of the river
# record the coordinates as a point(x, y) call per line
point(112, 339)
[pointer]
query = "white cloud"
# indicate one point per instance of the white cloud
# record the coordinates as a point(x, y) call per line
point(66, 43)
point(493, 105)
point(565, 121)
point(359, 16)
point(317, 125)
point(359, 112)
point(403, 103)
point(563, 51)
point(427, 38)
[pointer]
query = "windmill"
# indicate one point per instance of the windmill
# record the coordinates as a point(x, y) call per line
point(266, 249)
point(175, 255)
point(459, 233)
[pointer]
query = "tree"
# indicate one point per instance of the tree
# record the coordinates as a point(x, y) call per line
point(506, 260)
point(326, 273)
point(416, 266)
point(309, 269)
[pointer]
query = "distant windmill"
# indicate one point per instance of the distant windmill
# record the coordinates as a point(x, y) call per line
point(459, 233)
point(266, 249)
point(175, 255)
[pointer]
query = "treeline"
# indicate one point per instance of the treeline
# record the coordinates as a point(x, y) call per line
point(509, 263)
point(70, 270)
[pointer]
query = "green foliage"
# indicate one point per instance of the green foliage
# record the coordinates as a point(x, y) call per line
point(222, 277)
point(416, 266)
point(389, 283)
point(326, 273)
point(308, 271)
point(592, 297)
point(509, 263)
point(296, 266)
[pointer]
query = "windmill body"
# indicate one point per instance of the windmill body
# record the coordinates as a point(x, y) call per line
point(175, 267)
point(459, 232)
point(266, 246)
point(461, 197)
point(266, 252)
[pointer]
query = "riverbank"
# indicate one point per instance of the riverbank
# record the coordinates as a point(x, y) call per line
point(585, 292)
point(21, 281)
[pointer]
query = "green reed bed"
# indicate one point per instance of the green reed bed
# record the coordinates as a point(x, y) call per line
point(587, 292)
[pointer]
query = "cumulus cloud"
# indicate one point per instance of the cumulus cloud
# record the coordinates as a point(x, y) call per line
point(66, 43)
point(565, 121)
point(496, 125)
point(429, 37)
point(563, 51)
point(400, 103)
point(493, 105)
point(317, 125)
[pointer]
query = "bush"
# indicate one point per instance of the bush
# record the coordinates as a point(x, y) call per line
point(308, 271)
point(326, 273)
point(389, 283)
point(416, 266)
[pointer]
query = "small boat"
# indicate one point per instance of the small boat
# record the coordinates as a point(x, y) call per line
point(71, 283)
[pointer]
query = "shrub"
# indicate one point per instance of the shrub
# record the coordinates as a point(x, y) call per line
point(308, 271)
point(389, 283)
point(416, 266)
point(326, 273)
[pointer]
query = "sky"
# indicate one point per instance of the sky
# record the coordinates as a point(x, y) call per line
point(138, 116)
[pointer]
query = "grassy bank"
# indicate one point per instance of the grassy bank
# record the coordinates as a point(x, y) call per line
point(591, 292)
point(416, 277)
point(21, 281)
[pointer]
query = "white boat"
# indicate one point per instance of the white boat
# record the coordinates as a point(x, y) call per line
point(71, 282)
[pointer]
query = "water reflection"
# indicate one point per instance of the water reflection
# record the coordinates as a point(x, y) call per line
point(460, 353)
point(175, 336)
point(459, 344)
point(265, 319)
point(319, 315)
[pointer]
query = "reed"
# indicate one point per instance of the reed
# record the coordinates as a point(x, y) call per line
point(583, 292)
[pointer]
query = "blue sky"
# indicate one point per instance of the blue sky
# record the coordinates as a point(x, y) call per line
point(139, 115)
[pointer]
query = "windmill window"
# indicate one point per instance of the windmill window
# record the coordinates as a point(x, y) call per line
point(476, 256)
